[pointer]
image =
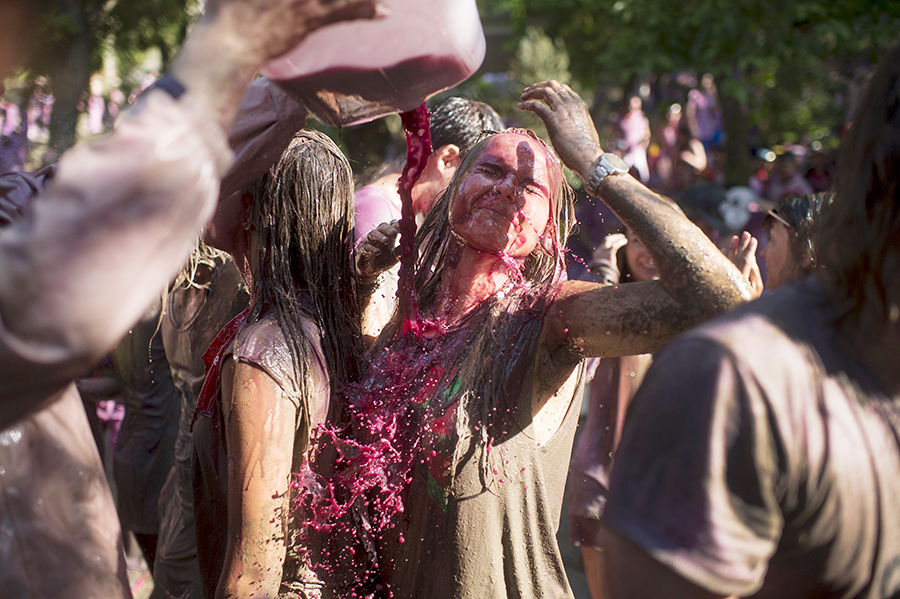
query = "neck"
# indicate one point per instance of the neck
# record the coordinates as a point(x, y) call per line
point(475, 277)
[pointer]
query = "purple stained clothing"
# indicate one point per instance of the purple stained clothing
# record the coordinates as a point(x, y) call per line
point(760, 459)
point(374, 205)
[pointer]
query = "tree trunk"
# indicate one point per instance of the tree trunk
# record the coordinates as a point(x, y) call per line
point(737, 140)
point(69, 77)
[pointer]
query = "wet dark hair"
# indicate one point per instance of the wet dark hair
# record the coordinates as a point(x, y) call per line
point(303, 212)
point(801, 213)
point(859, 231)
point(460, 121)
point(492, 332)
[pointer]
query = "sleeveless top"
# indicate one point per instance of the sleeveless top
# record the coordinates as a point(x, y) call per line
point(262, 344)
point(481, 516)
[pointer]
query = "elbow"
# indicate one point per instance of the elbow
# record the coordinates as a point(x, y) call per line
point(733, 293)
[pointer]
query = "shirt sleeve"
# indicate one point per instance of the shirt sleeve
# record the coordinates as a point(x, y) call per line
point(373, 207)
point(100, 243)
point(265, 125)
point(694, 481)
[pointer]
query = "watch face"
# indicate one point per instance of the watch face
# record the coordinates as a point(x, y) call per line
point(614, 163)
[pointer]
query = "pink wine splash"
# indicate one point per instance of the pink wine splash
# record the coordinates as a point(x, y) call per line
point(418, 149)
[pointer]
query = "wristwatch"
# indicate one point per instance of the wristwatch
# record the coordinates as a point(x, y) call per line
point(609, 164)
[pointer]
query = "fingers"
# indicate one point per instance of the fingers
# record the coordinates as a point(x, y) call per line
point(539, 108)
point(549, 91)
point(733, 247)
point(377, 239)
point(751, 245)
point(615, 241)
point(377, 252)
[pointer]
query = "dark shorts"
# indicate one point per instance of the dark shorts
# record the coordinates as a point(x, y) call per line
point(584, 531)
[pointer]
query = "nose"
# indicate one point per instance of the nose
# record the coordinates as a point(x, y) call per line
point(508, 188)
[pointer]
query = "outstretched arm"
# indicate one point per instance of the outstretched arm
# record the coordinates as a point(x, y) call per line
point(83, 263)
point(696, 280)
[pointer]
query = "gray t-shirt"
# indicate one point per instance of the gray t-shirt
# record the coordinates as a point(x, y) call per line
point(760, 459)
point(470, 532)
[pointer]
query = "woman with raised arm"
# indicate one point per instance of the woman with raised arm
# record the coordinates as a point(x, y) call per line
point(271, 375)
point(475, 415)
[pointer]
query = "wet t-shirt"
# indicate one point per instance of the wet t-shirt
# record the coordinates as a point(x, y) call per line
point(759, 459)
point(262, 344)
point(482, 514)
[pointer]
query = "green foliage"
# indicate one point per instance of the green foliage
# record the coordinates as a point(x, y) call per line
point(784, 62)
point(140, 25)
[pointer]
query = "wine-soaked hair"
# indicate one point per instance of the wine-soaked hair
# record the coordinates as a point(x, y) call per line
point(303, 213)
point(859, 231)
point(501, 330)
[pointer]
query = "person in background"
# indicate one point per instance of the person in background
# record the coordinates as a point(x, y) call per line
point(667, 138)
point(819, 174)
point(701, 204)
point(145, 444)
point(787, 180)
point(702, 112)
point(620, 258)
point(761, 456)
point(636, 132)
point(790, 252)
point(205, 296)
point(689, 162)
point(455, 124)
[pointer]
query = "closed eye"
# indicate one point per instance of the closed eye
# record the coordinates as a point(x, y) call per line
point(491, 170)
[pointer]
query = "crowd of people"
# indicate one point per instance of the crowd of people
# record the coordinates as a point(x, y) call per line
point(292, 430)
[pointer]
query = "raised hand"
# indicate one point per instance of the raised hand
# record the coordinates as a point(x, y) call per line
point(742, 251)
point(378, 252)
point(568, 123)
point(606, 251)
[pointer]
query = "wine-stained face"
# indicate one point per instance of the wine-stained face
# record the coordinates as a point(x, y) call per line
point(502, 202)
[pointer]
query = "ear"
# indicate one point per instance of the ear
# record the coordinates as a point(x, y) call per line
point(448, 158)
point(806, 261)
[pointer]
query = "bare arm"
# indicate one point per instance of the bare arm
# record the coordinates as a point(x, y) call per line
point(375, 256)
point(118, 220)
point(696, 280)
point(630, 573)
point(259, 429)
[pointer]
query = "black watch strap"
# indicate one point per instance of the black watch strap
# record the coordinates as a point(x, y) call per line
point(170, 85)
